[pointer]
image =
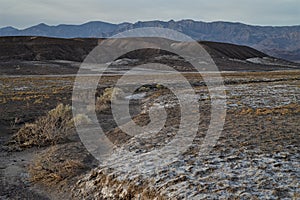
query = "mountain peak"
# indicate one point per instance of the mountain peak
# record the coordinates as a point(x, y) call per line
point(8, 28)
point(42, 25)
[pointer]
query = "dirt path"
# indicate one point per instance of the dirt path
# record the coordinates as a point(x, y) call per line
point(14, 182)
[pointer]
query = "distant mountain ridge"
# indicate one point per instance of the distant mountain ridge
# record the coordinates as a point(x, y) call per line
point(282, 42)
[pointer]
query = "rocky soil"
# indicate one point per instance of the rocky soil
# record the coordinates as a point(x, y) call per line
point(256, 156)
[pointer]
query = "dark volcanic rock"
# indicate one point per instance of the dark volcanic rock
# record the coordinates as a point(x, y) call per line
point(42, 48)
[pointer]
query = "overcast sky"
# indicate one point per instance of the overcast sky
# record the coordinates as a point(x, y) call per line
point(25, 13)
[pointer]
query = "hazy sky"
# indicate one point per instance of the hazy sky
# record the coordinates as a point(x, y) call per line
point(24, 13)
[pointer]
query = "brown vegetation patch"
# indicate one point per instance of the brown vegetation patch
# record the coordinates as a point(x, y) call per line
point(104, 101)
point(60, 164)
point(99, 184)
point(292, 108)
point(54, 128)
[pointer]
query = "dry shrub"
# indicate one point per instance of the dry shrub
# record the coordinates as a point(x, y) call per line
point(291, 108)
point(81, 119)
point(60, 164)
point(109, 94)
point(246, 111)
point(100, 184)
point(103, 102)
point(51, 129)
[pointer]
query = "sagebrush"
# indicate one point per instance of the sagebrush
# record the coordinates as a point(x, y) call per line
point(54, 128)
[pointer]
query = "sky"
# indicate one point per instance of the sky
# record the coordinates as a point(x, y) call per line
point(26, 13)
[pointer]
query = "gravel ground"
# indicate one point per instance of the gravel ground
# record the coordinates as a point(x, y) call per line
point(257, 155)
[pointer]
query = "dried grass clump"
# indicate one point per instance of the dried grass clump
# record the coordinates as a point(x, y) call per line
point(291, 108)
point(104, 101)
point(51, 129)
point(60, 164)
point(81, 119)
point(100, 184)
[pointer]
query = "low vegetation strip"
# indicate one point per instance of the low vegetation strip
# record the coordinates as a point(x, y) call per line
point(54, 128)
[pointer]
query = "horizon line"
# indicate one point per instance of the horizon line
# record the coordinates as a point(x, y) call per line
point(154, 20)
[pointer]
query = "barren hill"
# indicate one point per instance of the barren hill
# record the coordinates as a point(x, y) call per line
point(16, 52)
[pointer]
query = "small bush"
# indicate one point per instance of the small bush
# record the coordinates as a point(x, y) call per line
point(51, 129)
point(60, 164)
point(291, 108)
point(144, 89)
point(159, 86)
point(81, 119)
point(104, 101)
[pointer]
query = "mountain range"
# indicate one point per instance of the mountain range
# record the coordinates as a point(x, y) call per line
point(281, 41)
